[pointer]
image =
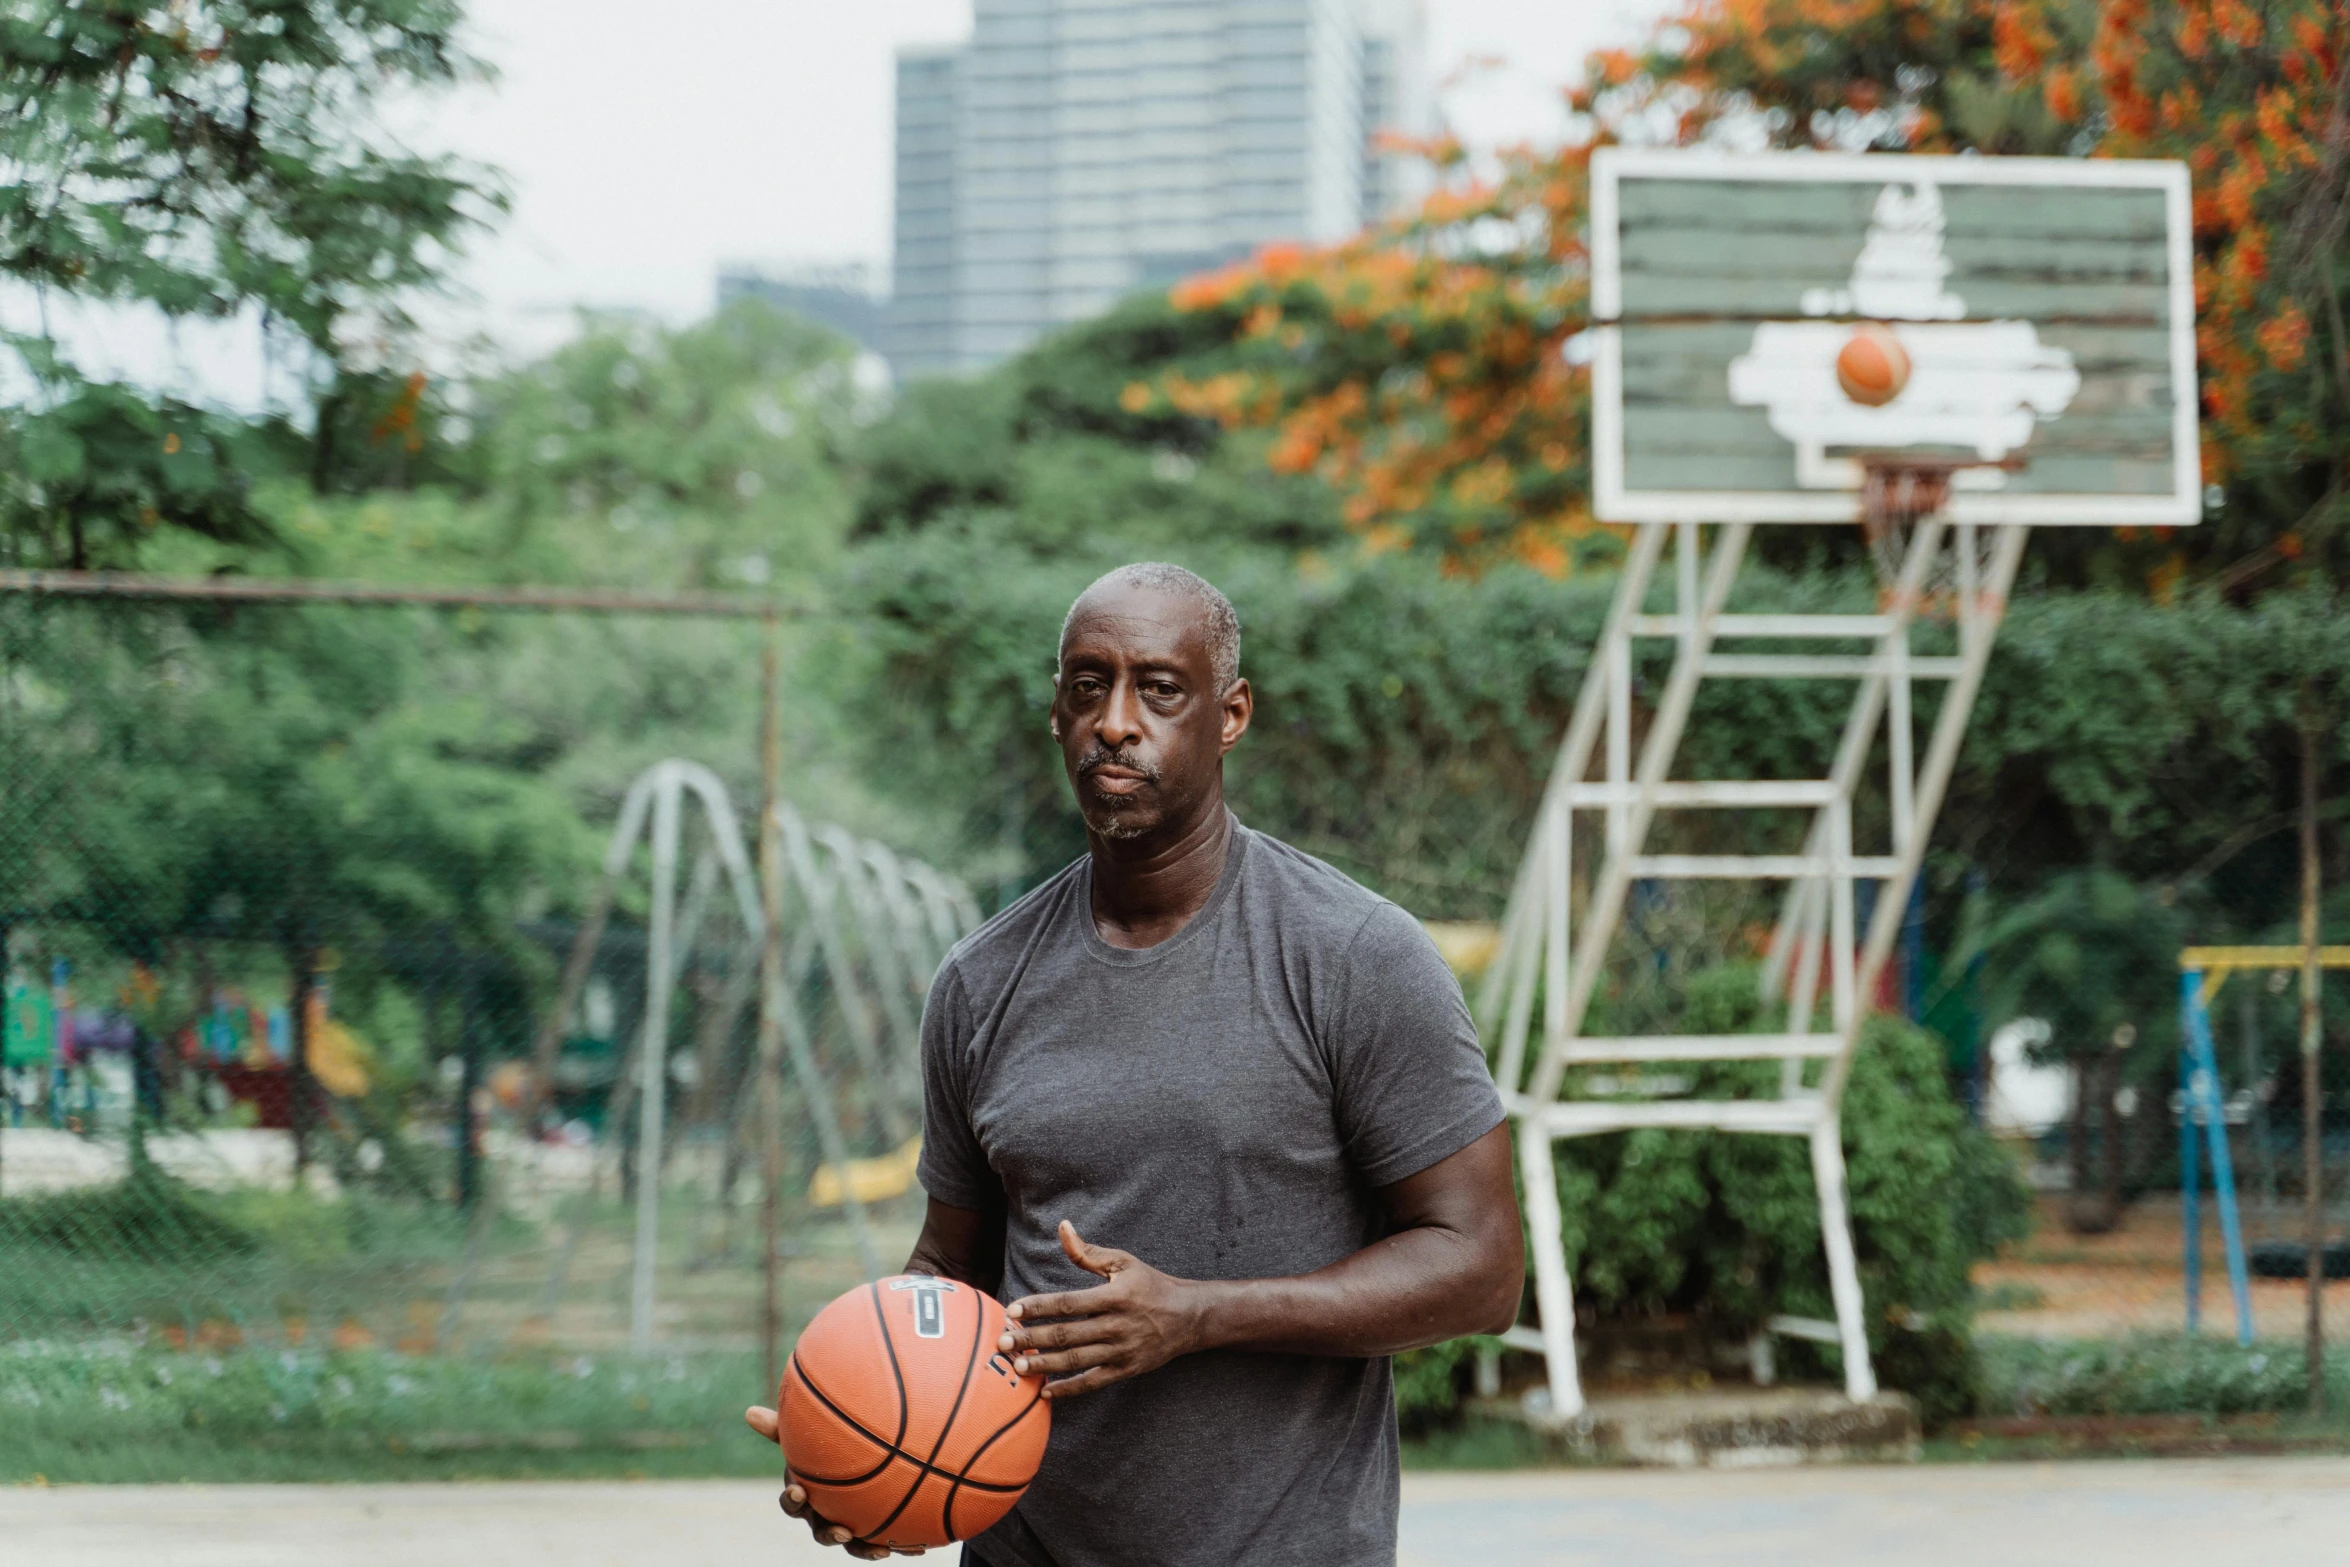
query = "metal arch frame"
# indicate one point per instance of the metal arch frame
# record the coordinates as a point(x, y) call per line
point(660, 793)
point(656, 807)
point(1545, 959)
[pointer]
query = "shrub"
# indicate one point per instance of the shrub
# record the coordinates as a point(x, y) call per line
point(1727, 1227)
point(147, 1216)
point(2149, 1374)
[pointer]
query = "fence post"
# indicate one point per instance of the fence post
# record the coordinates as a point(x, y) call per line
point(770, 1087)
point(469, 1046)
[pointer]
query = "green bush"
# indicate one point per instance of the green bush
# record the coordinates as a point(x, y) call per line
point(1727, 1227)
point(145, 1217)
point(2150, 1374)
point(1430, 1383)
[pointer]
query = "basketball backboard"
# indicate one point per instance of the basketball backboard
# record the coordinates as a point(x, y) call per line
point(2046, 305)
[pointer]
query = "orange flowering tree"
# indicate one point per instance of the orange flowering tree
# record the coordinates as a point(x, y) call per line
point(1429, 368)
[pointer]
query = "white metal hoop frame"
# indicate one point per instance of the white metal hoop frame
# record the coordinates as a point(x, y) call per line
point(1551, 954)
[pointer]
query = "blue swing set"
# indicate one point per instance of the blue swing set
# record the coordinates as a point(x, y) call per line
point(2202, 970)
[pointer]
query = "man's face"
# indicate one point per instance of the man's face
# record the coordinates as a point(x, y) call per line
point(1143, 729)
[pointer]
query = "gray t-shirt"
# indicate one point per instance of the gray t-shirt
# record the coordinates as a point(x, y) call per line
point(1223, 1105)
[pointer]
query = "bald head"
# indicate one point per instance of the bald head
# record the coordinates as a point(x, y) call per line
point(1218, 623)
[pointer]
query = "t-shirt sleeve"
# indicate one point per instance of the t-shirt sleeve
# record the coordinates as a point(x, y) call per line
point(1413, 1087)
point(953, 1167)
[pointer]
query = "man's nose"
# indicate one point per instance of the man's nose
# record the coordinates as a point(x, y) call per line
point(1121, 720)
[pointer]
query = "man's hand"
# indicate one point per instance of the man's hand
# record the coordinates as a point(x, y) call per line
point(795, 1503)
point(1137, 1321)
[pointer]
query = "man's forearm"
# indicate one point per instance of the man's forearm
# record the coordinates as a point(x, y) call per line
point(1452, 1263)
point(1419, 1287)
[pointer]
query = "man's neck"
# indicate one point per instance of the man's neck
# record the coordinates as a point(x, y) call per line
point(1146, 889)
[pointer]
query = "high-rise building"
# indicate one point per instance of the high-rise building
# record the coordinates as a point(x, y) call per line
point(848, 297)
point(1399, 99)
point(1075, 150)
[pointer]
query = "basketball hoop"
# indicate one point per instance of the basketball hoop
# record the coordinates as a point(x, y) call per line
point(1898, 490)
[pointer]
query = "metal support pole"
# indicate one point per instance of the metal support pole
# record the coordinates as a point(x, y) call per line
point(2313, 1164)
point(653, 1062)
point(2203, 1106)
point(1827, 1172)
point(770, 1001)
point(1552, 1293)
point(2190, 1189)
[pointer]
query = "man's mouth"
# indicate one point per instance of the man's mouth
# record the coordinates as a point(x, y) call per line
point(1114, 775)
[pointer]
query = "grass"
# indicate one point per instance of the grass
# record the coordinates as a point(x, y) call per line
point(127, 1412)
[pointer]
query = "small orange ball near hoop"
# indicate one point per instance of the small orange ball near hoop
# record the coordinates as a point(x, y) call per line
point(1872, 367)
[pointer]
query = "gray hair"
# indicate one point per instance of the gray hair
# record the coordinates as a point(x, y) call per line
point(1157, 576)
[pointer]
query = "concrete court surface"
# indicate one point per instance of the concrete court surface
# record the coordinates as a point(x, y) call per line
point(2137, 1514)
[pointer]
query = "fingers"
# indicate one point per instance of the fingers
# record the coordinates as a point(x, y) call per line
point(1107, 1261)
point(1084, 1382)
point(1076, 1303)
point(1103, 1260)
point(1059, 1335)
point(762, 1420)
point(795, 1502)
point(1066, 1361)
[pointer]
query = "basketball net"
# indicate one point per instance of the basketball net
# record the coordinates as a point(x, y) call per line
point(1897, 492)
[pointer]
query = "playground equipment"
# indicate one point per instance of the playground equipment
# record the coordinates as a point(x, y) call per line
point(1708, 410)
point(873, 927)
point(2202, 971)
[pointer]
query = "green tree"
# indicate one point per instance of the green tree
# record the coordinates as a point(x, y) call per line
point(207, 160)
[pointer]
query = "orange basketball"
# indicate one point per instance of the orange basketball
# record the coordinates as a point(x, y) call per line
point(1872, 366)
point(903, 1421)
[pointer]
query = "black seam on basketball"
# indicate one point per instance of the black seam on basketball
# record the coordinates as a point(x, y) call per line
point(895, 1451)
point(881, 1317)
point(888, 1453)
point(947, 1515)
point(978, 1326)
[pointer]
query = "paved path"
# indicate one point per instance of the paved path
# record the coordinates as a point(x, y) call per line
point(2147, 1514)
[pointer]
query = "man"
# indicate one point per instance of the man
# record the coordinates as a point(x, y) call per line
point(1215, 1121)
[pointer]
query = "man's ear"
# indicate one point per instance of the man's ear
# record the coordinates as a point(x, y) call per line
point(1239, 705)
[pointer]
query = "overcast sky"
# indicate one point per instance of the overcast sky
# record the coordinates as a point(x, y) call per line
point(642, 155)
point(645, 147)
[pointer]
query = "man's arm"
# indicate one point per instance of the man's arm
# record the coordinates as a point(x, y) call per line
point(963, 1244)
point(1454, 1263)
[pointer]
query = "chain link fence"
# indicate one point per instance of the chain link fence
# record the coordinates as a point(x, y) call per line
point(328, 1007)
point(326, 1073)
